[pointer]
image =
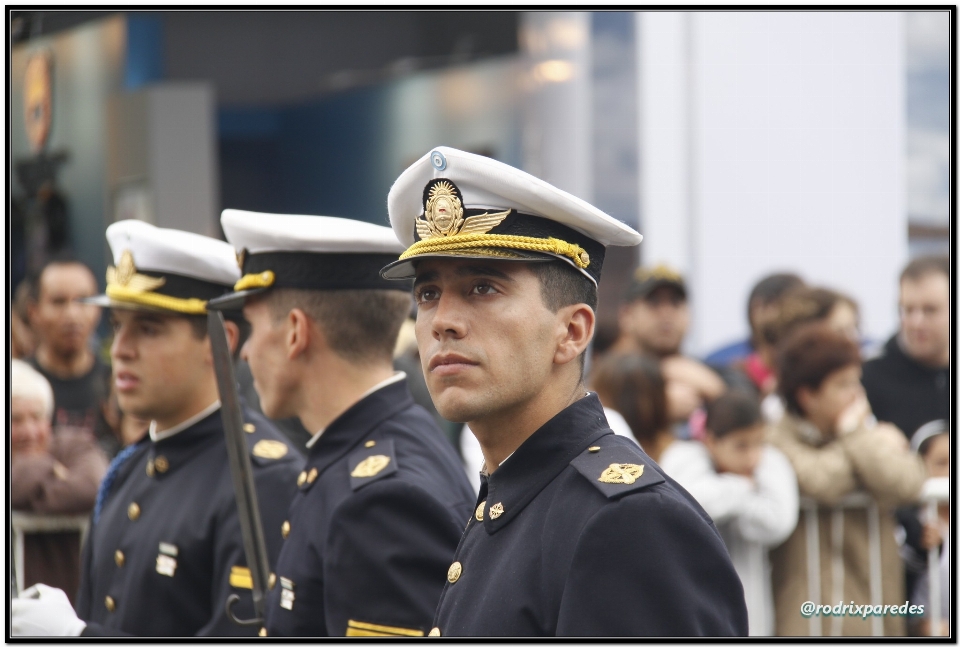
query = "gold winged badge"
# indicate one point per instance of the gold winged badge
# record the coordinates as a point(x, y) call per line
point(443, 215)
point(125, 275)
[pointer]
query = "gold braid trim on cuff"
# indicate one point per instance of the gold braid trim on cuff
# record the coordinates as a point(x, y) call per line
point(163, 301)
point(262, 280)
point(526, 243)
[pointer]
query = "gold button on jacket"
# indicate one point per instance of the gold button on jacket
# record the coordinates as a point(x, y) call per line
point(118, 557)
point(133, 511)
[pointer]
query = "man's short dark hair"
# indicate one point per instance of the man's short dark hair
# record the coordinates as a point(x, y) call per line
point(734, 410)
point(921, 267)
point(198, 324)
point(808, 356)
point(771, 288)
point(360, 325)
point(560, 286)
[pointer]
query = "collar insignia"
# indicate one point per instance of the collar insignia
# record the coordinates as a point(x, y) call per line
point(125, 275)
point(270, 449)
point(621, 473)
point(443, 215)
point(370, 466)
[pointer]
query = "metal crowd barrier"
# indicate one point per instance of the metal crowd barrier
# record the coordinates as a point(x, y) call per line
point(23, 523)
point(934, 491)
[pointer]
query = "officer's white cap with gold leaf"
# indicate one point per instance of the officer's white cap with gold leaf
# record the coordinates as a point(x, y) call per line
point(456, 204)
point(165, 270)
point(307, 253)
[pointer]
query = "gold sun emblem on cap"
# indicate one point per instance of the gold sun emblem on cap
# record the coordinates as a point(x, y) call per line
point(125, 275)
point(443, 215)
point(621, 473)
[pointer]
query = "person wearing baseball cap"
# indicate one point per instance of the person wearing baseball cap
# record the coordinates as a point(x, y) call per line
point(383, 498)
point(164, 550)
point(576, 531)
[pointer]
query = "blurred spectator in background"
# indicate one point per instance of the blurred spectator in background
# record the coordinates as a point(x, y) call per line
point(64, 355)
point(797, 307)
point(22, 342)
point(835, 448)
point(632, 385)
point(49, 475)
point(749, 489)
point(932, 444)
point(909, 383)
point(654, 319)
point(762, 306)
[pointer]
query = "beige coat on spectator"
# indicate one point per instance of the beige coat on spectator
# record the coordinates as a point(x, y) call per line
point(827, 470)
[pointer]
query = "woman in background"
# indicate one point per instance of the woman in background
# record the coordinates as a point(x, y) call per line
point(836, 447)
point(49, 475)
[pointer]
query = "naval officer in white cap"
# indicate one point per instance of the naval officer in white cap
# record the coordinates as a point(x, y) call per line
point(164, 550)
point(383, 497)
point(576, 532)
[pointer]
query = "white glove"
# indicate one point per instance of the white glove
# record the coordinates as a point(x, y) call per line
point(43, 610)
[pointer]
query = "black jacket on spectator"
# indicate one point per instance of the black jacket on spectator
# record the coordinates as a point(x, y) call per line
point(579, 533)
point(383, 500)
point(905, 392)
point(167, 550)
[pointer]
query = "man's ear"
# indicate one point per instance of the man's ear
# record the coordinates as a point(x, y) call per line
point(233, 335)
point(303, 335)
point(579, 322)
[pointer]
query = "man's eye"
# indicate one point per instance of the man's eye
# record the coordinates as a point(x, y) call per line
point(483, 288)
point(426, 294)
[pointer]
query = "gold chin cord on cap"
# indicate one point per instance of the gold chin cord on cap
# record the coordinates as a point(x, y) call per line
point(260, 280)
point(124, 283)
point(525, 243)
point(175, 304)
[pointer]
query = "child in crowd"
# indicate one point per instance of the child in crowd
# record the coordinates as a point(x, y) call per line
point(932, 443)
point(633, 386)
point(747, 487)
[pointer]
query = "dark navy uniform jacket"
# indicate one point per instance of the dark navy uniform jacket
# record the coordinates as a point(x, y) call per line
point(383, 501)
point(579, 533)
point(167, 550)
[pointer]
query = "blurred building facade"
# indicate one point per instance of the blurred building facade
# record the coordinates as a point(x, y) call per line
point(737, 143)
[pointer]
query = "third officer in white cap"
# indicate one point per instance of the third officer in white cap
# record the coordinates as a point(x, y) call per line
point(164, 550)
point(576, 532)
point(383, 498)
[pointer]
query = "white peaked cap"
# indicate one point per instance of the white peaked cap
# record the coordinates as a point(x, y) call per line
point(171, 251)
point(270, 232)
point(495, 211)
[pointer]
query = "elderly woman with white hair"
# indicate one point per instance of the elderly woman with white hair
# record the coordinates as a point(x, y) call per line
point(49, 475)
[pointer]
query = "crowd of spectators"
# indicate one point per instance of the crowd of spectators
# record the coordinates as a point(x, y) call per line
point(769, 434)
point(790, 434)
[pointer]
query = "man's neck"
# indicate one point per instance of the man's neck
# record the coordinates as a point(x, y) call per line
point(941, 361)
point(500, 434)
point(328, 391)
point(203, 398)
point(65, 367)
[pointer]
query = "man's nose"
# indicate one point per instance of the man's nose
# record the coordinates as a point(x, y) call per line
point(448, 320)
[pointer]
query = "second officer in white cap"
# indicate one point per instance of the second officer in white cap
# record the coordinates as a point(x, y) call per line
point(576, 531)
point(164, 550)
point(383, 497)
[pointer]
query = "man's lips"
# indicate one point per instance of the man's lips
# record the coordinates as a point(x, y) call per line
point(449, 364)
point(126, 381)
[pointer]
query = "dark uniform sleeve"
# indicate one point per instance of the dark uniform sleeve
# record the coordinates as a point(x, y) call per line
point(389, 548)
point(649, 565)
point(86, 561)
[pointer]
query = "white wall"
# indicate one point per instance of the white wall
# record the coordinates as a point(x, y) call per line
point(783, 149)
